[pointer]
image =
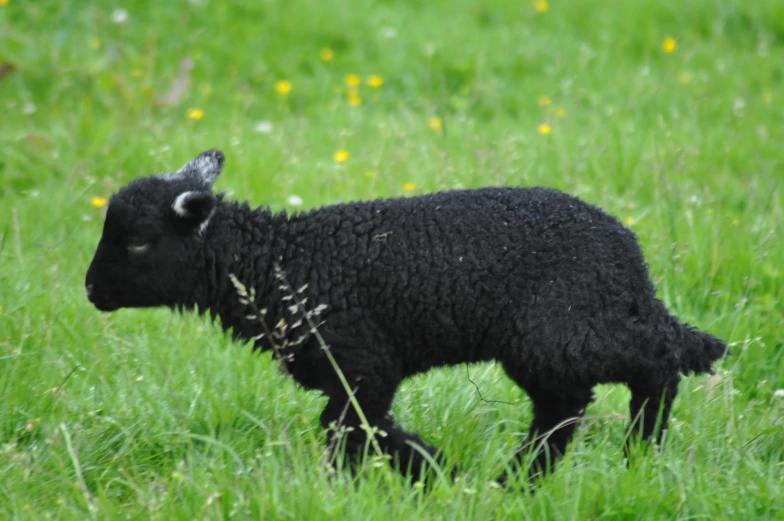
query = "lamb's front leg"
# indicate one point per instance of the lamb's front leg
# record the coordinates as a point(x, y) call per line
point(407, 450)
point(373, 370)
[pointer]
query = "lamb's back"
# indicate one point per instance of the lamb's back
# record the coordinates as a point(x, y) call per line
point(448, 268)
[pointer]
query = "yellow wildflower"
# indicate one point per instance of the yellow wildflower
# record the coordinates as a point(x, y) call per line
point(4, 2)
point(95, 43)
point(544, 100)
point(195, 114)
point(544, 129)
point(283, 87)
point(98, 201)
point(354, 99)
point(669, 45)
point(326, 54)
point(340, 155)
point(409, 186)
point(541, 6)
point(375, 81)
point(560, 112)
point(629, 220)
point(435, 124)
point(353, 80)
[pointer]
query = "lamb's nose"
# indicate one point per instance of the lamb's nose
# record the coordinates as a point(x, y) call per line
point(89, 288)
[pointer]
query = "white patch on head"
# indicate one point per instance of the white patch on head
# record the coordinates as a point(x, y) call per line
point(179, 204)
point(203, 226)
point(205, 168)
point(179, 208)
point(172, 176)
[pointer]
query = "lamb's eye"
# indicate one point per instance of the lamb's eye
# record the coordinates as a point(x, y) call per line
point(139, 248)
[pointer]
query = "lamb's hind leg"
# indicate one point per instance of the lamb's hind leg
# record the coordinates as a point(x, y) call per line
point(555, 418)
point(650, 408)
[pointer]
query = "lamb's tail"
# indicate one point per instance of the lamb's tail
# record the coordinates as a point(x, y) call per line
point(698, 350)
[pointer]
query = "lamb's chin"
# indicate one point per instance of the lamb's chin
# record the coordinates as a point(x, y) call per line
point(106, 307)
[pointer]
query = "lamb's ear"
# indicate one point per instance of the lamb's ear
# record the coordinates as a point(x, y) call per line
point(195, 206)
point(205, 167)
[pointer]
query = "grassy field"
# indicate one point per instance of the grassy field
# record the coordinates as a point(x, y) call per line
point(666, 113)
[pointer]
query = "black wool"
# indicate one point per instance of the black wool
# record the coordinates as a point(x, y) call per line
point(552, 288)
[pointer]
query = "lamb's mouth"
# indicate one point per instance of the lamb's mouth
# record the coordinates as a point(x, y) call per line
point(100, 304)
point(103, 306)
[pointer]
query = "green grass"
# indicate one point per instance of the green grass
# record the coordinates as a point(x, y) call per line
point(149, 415)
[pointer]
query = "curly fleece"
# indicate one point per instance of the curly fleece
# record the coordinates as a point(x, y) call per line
point(552, 288)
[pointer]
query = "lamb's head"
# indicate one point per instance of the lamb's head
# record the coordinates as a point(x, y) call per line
point(150, 253)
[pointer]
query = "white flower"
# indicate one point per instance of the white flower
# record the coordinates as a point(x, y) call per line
point(263, 127)
point(738, 105)
point(29, 108)
point(779, 393)
point(119, 16)
point(294, 200)
point(388, 32)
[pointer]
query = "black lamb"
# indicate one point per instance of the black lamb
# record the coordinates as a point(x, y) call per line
point(554, 289)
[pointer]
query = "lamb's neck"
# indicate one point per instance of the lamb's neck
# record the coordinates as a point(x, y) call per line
point(245, 244)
